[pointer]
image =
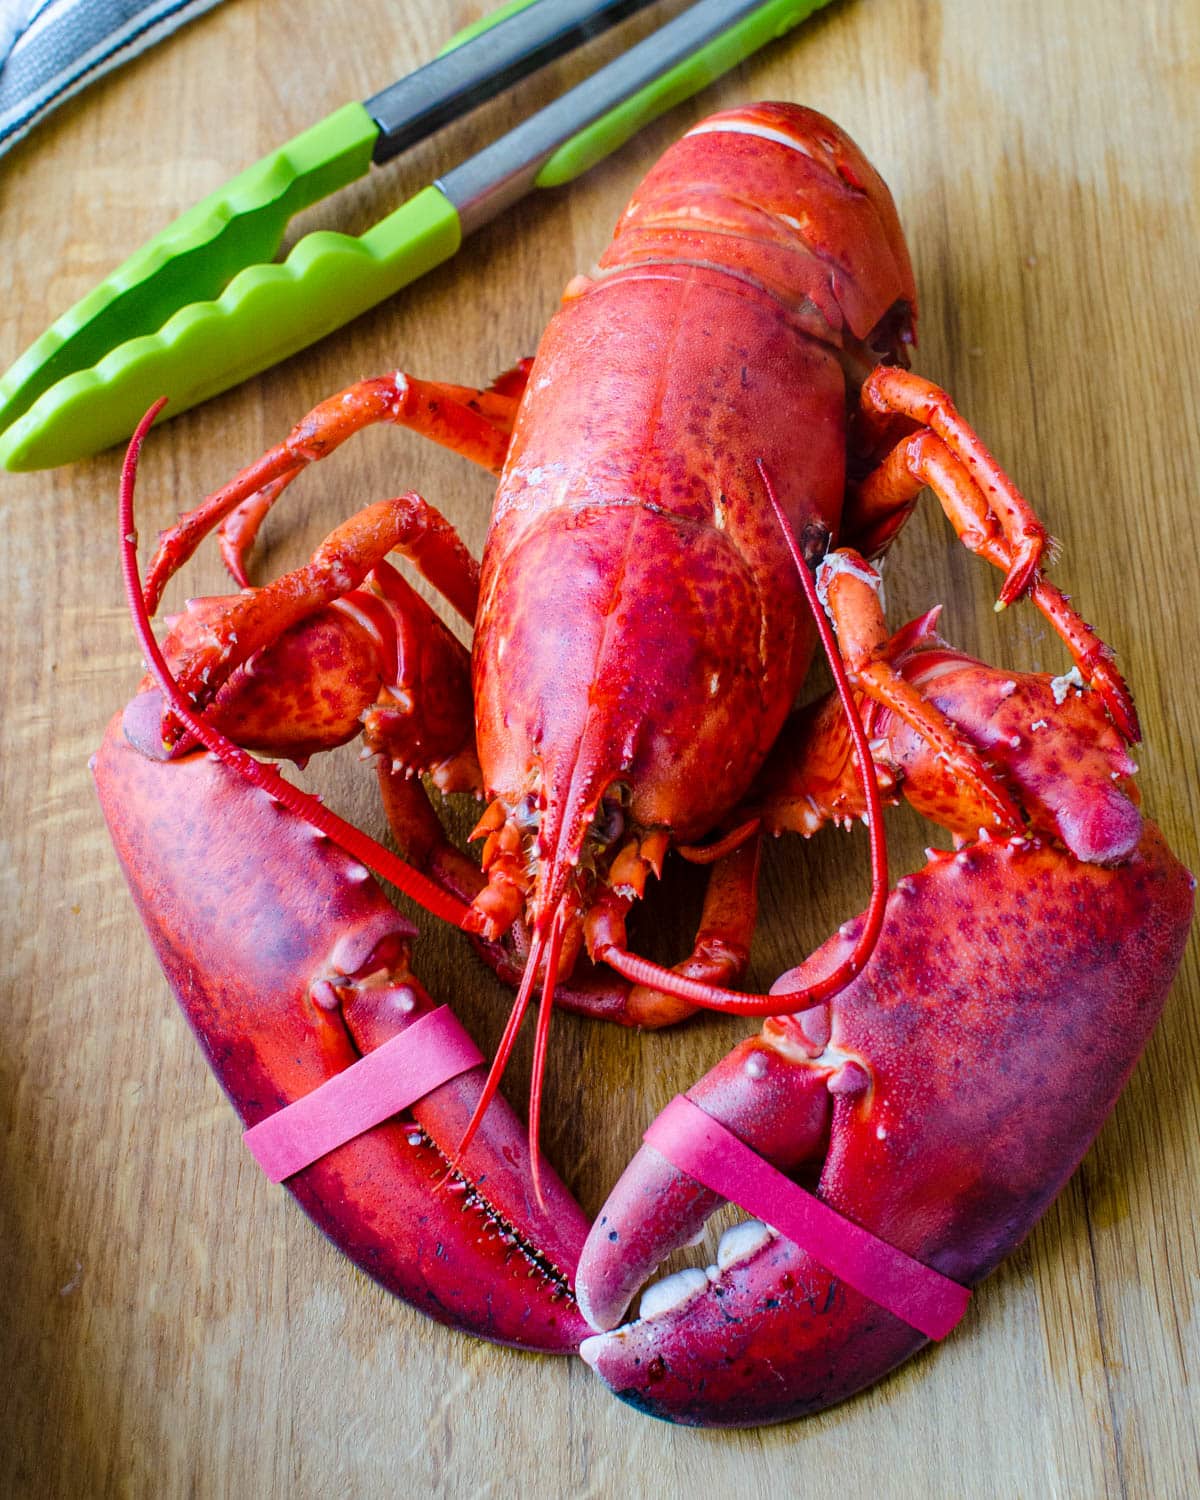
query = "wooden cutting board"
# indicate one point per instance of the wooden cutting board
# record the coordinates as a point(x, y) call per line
point(173, 1325)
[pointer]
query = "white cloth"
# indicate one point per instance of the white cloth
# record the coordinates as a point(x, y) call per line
point(50, 49)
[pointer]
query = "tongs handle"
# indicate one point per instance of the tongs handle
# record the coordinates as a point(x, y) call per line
point(270, 311)
point(183, 267)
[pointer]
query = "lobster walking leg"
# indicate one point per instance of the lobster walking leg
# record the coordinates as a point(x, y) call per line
point(988, 512)
point(849, 589)
point(719, 955)
point(722, 948)
point(887, 390)
point(254, 620)
point(475, 423)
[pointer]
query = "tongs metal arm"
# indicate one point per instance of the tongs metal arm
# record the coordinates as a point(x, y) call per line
point(526, 37)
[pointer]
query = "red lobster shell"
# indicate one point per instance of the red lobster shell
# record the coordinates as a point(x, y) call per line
point(723, 398)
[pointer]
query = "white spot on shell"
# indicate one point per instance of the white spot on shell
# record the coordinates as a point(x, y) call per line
point(672, 1292)
point(741, 1241)
point(880, 1133)
point(415, 1138)
point(324, 995)
point(1061, 686)
point(836, 563)
point(1007, 689)
point(756, 1065)
point(1039, 724)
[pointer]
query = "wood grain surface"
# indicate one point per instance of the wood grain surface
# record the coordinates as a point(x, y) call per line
point(173, 1325)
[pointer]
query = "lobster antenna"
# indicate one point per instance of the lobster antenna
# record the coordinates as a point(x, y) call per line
point(548, 938)
point(712, 997)
point(267, 777)
point(558, 927)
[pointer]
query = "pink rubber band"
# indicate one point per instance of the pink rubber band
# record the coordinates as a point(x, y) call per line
point(702, 1147)
point(379, 1085)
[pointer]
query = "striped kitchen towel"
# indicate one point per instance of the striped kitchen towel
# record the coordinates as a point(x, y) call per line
point(50, 49)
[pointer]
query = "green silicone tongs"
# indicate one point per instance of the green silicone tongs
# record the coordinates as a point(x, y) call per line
point(202, 306)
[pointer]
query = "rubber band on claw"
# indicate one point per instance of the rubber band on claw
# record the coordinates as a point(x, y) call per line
point(379, 1085)
point(702, 1147)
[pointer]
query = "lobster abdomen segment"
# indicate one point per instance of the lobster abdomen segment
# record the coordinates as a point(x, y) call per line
point(779, 194)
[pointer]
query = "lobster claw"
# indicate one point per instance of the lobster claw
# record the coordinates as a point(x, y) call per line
point(940, 1102)
point(290, 964)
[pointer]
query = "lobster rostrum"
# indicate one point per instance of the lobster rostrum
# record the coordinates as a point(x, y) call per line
point(723, 402)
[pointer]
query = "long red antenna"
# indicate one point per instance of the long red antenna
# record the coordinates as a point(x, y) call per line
point(507, 1042)
point(541, 1041)
point(364, 848)
point(712, 997)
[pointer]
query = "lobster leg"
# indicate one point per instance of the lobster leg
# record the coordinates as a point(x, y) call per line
point(719, 954)
point(252, 621)
point(990, 515)
point(943, 1098)
point(722, 948)
point(850, 592)
point(423, 722)
point(474, 423)
point(298, 967)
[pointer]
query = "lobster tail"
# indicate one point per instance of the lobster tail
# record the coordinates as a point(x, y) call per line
point(777, 194)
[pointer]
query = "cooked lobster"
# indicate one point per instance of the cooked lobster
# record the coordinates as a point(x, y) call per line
point(721, 405)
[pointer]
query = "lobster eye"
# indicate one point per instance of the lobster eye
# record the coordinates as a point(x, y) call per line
point(609, 822)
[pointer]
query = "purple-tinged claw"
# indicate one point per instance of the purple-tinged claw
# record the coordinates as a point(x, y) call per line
point(776, 1102)
point(290, 963)
point(963, 1074)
